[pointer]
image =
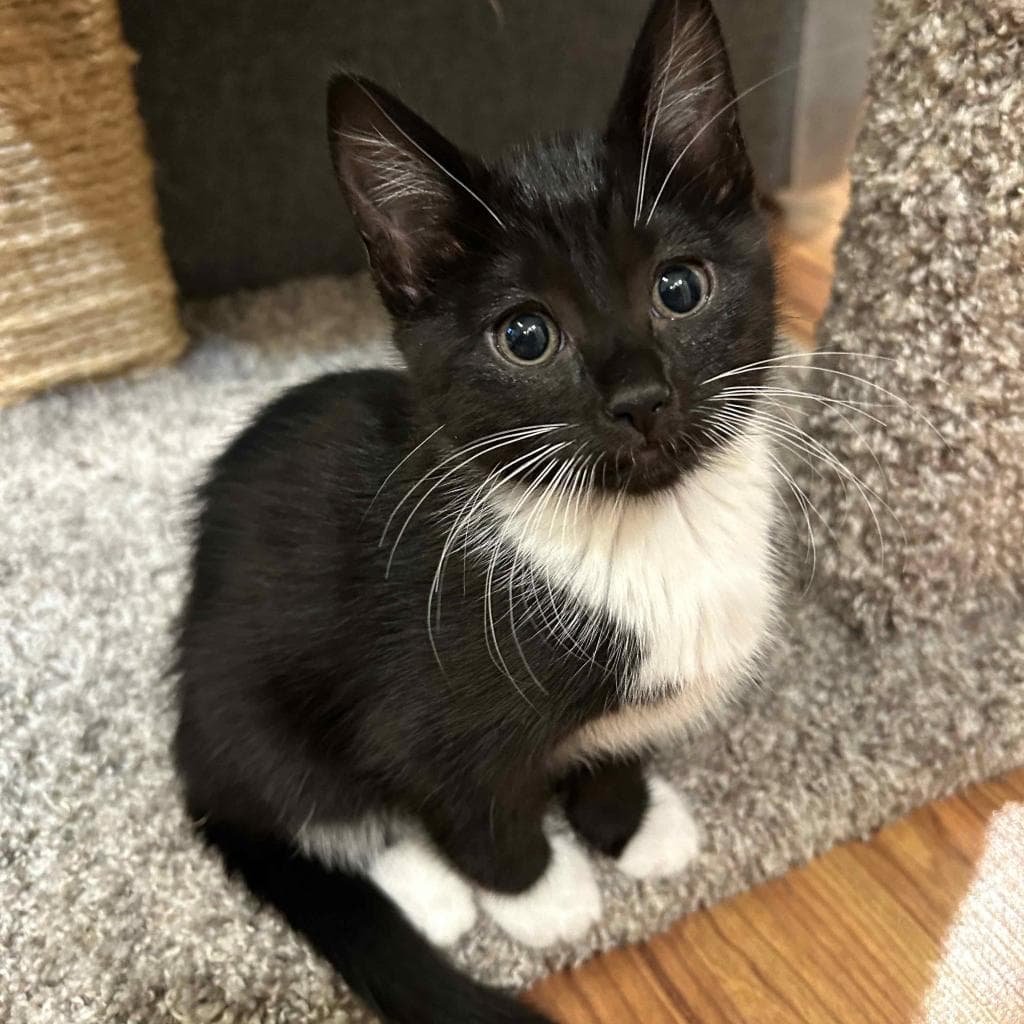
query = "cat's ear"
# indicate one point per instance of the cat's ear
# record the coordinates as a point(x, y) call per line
point(404, 183)
point(675, 120)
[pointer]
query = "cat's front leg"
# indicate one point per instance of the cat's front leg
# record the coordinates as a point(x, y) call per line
point(605, 803)
point(636, 817)
point(538, 889)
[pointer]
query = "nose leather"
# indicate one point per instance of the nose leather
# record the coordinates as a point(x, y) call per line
point(638, 390)
point(640, 406)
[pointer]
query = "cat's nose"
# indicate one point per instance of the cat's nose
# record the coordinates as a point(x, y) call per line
point(640, 405)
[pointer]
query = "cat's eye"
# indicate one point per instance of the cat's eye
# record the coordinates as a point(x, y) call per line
point(680, 289)
point(528, 337)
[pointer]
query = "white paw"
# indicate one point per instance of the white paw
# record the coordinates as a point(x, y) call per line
point(667, 839)
point(434, 898)
point(559, 906)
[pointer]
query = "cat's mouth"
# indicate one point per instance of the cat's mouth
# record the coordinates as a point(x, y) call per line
point(650, 467)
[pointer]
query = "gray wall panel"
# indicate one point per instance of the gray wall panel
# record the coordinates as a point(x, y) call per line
point(232, 95)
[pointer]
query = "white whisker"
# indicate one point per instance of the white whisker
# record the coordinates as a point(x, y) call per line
point(489, 624)
point(725, 431)
point(480, 447)
point(799, 441)
point(400, 464)
point(714, 117)
point(462, 522)
point(437, 163)
point(835, 405)
point(806, 364)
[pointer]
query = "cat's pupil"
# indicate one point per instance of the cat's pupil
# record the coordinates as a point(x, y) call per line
point(527, 336)
point(680, 289)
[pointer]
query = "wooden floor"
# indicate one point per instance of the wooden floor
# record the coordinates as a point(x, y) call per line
point(922, 925)
point(925, 923)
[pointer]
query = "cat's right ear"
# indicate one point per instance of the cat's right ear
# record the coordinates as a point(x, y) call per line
point(404, 183)
point(675, 121)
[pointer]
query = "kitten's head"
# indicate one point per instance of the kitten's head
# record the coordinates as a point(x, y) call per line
point(600, 283)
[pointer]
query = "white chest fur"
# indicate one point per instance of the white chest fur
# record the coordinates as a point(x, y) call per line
point(687, 572)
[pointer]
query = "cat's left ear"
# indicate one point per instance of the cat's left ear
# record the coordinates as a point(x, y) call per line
point(675, 121)
point(406, 186)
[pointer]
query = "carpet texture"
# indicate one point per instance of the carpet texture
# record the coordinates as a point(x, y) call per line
point(109, 912)
point(929, 278)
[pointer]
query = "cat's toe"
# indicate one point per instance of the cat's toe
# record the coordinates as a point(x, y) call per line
point(562, 905)
point(667, 839)
point(437, 901)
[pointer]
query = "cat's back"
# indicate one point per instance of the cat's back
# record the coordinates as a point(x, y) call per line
point(281, 551)
point(337, 422)
point(282, 511)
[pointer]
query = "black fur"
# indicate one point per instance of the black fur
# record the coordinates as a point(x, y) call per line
point(368, 943)
point(316, 688)
point(606, 804)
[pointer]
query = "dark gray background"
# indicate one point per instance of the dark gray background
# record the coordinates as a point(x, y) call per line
point(232, 93)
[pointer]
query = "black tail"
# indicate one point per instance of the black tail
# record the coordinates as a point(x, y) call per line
point(366, 938)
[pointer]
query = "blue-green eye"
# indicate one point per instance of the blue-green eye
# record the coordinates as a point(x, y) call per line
point(527, 338)
point(680, 289)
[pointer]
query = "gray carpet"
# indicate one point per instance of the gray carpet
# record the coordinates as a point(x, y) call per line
point(930, 276)
point(895, 681)
point(109, 910)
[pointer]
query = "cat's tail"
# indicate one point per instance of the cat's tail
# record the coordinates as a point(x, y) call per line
point(366, 938)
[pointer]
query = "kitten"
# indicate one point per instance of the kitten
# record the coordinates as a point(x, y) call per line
point(426, 603)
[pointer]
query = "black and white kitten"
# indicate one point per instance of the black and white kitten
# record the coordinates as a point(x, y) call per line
point(426, 603)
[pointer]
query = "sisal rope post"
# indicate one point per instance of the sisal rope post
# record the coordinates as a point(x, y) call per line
point(84, 284)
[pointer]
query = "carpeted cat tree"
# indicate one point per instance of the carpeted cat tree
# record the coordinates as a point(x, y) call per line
point(897, 679)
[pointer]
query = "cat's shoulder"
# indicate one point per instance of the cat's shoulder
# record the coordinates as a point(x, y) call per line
point(330, 413)
point(373, 394)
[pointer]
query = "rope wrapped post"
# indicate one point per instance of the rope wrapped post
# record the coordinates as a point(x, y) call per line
point(84, 284)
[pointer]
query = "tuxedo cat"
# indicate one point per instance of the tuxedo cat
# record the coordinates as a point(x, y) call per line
point(427, 604)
